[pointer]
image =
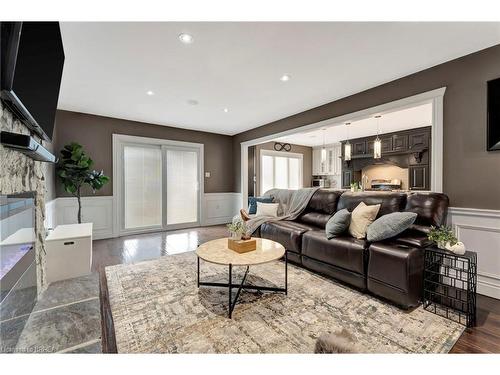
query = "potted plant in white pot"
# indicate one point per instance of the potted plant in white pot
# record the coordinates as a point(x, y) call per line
point(445, 239)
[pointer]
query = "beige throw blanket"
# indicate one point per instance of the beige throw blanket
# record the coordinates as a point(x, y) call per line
point(291, 204)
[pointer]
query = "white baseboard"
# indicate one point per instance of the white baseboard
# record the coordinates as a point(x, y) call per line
point(479, 229)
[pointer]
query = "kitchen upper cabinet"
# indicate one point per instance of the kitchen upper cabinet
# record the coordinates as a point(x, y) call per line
point(333, 162)
point(418, 141)
point(419, 177)
point(386, 143)
point(358, 148)
point(317, 169)
point(399, 142)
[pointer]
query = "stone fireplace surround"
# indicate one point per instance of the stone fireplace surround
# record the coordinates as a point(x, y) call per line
point(19, 173)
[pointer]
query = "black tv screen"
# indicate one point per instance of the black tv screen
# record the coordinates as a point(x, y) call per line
point(32, 65)
point(494, 115)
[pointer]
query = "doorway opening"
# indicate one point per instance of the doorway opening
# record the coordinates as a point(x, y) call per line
point(328, 158)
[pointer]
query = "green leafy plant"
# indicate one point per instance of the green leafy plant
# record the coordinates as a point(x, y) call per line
point(237, 227)
point(74, 171)
point(442, 235)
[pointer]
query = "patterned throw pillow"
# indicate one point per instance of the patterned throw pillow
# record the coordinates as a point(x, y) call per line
point(338, 223)
point(252, 203)
point(390, 225)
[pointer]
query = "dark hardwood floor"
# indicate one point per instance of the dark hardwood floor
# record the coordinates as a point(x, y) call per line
point(484, 338)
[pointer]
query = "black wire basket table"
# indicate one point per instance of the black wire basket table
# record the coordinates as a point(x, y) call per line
point(450, 283)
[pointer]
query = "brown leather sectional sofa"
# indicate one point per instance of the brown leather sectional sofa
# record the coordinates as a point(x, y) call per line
point(392, 269)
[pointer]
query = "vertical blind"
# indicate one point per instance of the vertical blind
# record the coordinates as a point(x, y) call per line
point(142, 186)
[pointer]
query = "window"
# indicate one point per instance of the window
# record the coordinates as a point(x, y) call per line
point(281, 170)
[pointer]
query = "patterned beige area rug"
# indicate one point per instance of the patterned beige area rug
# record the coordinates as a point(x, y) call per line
point(157, 308)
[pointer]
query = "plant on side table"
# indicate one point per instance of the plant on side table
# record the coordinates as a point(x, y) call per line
point(443, 236)
point(74, 173)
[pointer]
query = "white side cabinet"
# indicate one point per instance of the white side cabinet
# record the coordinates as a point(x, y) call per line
point(69, 251)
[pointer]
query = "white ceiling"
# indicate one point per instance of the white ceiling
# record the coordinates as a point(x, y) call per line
point(409, 118)
point(110, 66)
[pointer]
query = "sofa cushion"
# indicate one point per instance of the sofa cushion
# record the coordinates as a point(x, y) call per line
point(287, 233)
point(395, 272)
point(338, 224)
point(389, 201)
point(345, 252)
point(431, 208)
point(321, 207)
point(390, 225)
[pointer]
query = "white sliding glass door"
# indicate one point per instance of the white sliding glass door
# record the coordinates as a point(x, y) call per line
point(157, 184)
point(142, 186)
point(182, 186)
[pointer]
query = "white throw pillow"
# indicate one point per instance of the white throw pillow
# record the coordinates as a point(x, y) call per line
point(267, 209)
point(361, 217)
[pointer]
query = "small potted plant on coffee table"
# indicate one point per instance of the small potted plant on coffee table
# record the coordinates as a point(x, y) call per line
point(240, 241)
point(237, 228)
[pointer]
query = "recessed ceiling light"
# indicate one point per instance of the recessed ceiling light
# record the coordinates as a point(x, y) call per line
point(186, 38)
point(192, 102)
point(285, 77)
point(150, 93)
point(226, 110)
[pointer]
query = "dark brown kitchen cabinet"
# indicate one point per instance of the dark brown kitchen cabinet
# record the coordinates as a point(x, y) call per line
point(358, 148)
point(418, 177)
point(347, 178)
point(399, 142)
point(418, 141)
point(386, 143)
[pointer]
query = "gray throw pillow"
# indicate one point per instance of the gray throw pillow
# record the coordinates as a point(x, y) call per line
point(390, 225)
point(338, 223)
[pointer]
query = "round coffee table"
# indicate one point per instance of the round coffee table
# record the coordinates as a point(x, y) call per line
point(217, 252)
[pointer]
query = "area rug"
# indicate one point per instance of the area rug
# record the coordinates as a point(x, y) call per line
point(157, 308)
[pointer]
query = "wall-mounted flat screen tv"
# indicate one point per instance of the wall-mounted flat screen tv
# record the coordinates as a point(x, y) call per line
point(494, 115)
point(32, 58)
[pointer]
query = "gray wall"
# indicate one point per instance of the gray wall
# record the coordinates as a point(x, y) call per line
point(307, 162)
point(94, 133)
point(471, 174)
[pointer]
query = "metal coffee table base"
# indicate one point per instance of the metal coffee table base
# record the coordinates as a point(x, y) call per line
point(242, 285)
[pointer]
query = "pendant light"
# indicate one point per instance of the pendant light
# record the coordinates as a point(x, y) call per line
point(323, 153)
point(377, 145)
point(347, 145)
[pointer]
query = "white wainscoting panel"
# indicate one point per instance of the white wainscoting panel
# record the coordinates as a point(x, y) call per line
point(97, 210)
point(479, 230)
point(219, 208)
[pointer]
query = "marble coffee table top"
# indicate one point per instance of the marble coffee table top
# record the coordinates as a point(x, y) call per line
point(217, 252)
